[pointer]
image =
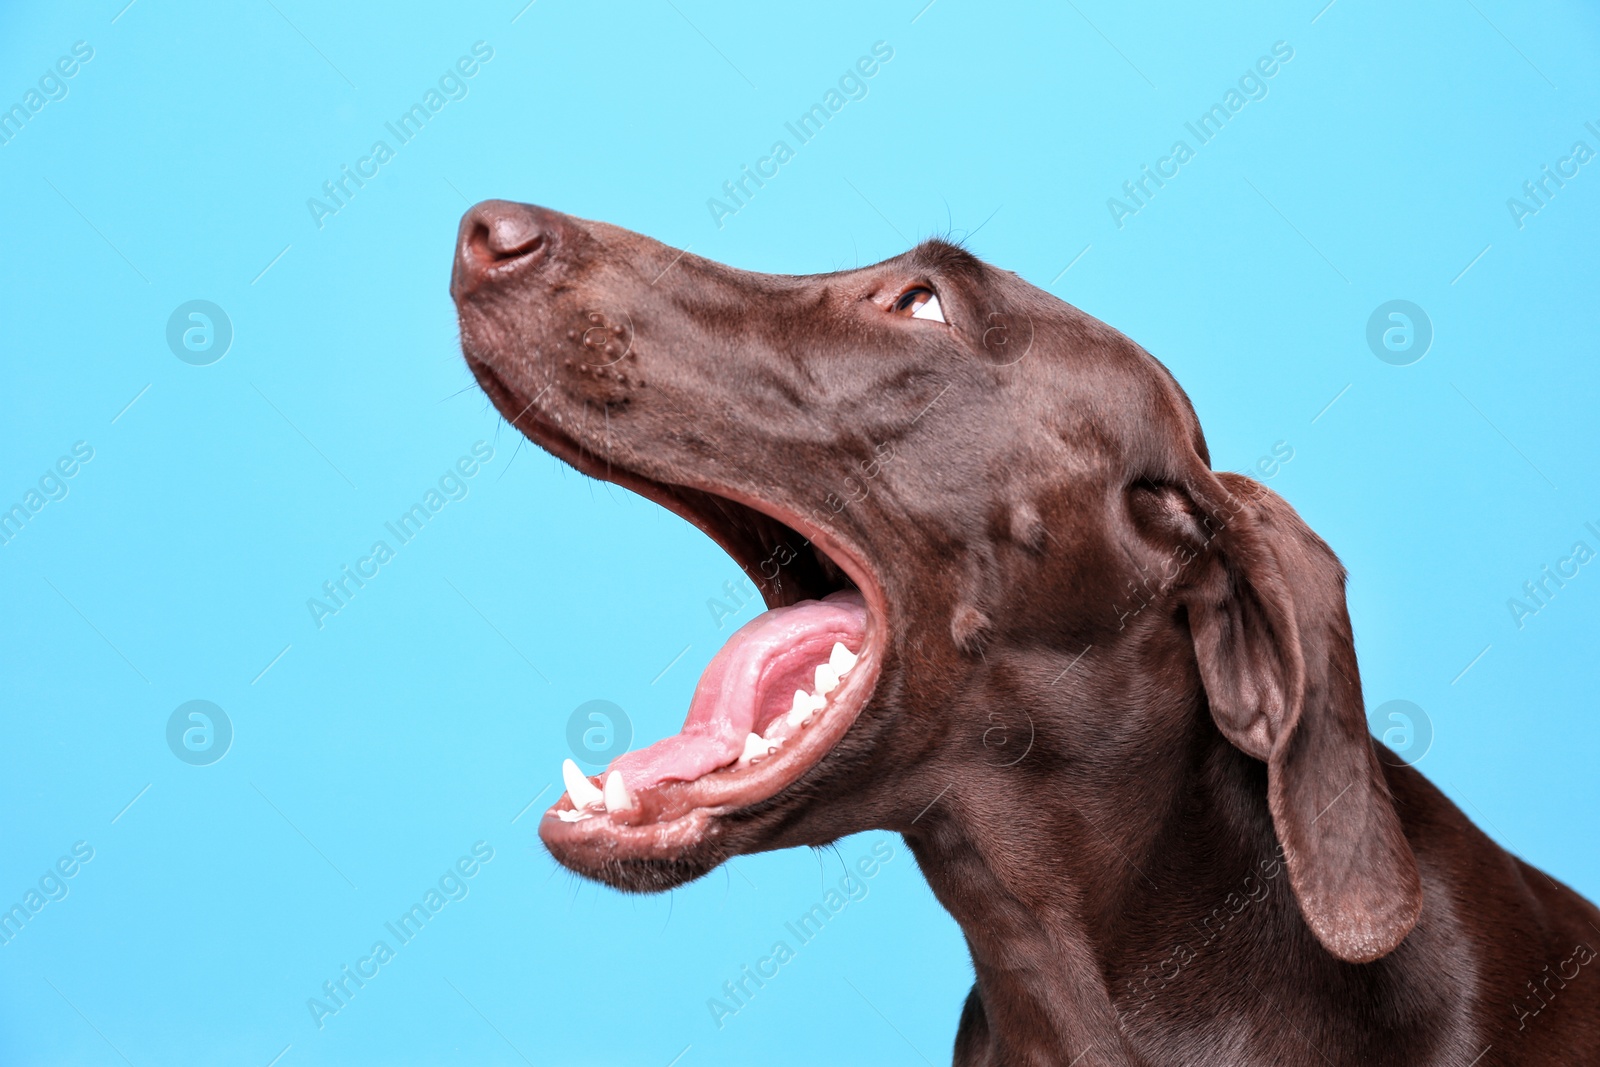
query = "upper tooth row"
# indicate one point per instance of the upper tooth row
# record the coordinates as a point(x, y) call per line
point(615, 796)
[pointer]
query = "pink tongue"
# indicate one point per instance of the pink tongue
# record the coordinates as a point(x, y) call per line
point(748, 683)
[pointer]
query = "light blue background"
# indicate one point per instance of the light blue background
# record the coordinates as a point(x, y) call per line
point(428, 713)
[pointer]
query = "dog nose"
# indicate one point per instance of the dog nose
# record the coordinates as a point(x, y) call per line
point(498, 235)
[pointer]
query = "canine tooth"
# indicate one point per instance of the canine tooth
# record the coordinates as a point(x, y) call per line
point(804, 705)
point(827, 680)
point(756, 746)
point(582, 791)
point(616, 793)
point(841, 659)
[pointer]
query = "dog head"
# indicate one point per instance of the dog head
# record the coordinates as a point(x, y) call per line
point(988, 517)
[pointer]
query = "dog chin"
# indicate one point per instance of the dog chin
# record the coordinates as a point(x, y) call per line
point(606, 859)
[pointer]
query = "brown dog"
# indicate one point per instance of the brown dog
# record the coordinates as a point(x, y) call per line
point(1108, 695)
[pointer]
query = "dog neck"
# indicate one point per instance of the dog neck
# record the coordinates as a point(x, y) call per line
point(1084, 891)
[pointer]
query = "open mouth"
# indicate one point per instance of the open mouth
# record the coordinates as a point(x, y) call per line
point(741, 712)
point(773, 702)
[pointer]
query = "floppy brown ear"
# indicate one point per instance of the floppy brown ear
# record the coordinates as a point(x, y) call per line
point(1266, 608)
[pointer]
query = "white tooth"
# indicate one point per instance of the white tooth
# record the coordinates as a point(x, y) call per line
point(804, 705)
point(582, 791)
point(616, 793)
point(572, 816)
point(841, 659)
point(755, 745)
point(827, 680)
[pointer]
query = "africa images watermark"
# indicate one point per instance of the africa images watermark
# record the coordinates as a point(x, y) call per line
point(853, 490)
point(741, 990)
point(453, 885)
point(1538, 592)
point(452, 85)
point(852, 85)
point(738, 592)
point(452, 485)
point(52, 86)
point(1252, 85)
point(1252, 890)
point(52, 486)
point(52, 885)
point(1540, 994)
point(1538, 192)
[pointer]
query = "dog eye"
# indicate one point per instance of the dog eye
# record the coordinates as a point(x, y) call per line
point(919, 303)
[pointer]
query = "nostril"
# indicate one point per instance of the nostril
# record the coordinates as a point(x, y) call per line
point(498, 233)
point(490, 244)
point(500, 240)
point(476, 245)
point(510, 236)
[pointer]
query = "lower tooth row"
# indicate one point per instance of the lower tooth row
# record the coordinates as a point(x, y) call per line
point(805, 705)
point(614, 796)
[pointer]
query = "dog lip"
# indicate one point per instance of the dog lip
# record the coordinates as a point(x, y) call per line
point(598, 843)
